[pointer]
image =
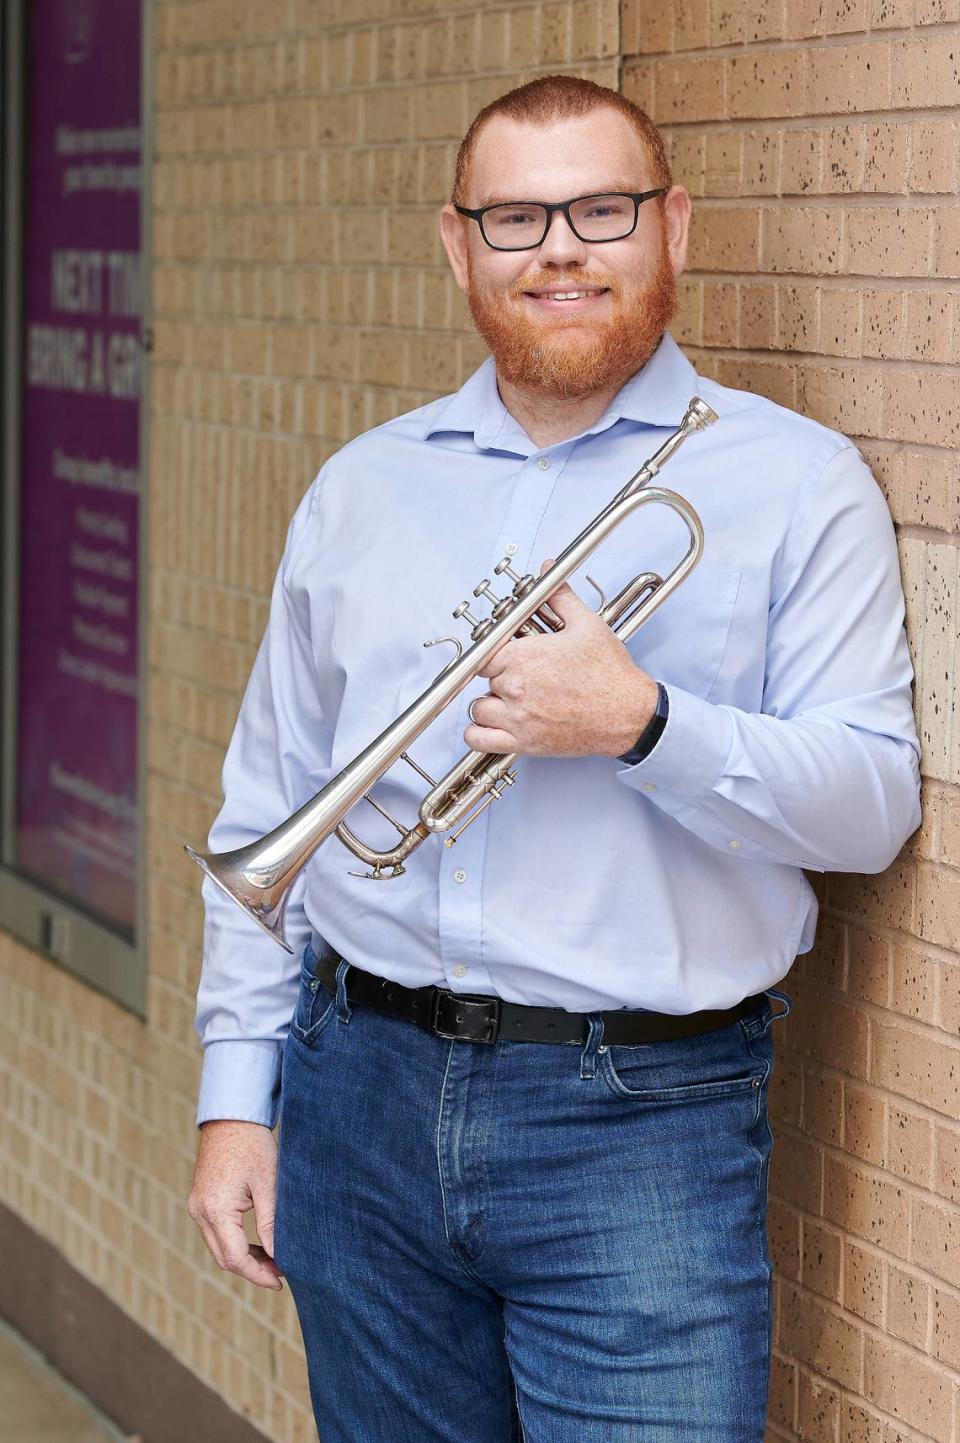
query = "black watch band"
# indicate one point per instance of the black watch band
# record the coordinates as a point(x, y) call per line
point(650, 735)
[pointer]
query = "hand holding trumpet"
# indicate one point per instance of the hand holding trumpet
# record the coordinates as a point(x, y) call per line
point(568, 693)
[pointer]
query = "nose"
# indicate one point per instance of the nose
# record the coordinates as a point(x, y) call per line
point(560, 246)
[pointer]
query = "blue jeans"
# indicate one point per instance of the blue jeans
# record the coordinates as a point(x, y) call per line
point(522, 1242)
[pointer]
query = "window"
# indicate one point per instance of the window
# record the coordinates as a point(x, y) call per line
point(74, 433)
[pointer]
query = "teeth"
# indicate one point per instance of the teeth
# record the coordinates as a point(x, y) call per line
point(566, 295)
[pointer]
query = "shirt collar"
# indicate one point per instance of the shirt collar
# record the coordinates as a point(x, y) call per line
point(656, 396)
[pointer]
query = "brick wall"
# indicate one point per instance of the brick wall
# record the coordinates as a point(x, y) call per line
point(820, 141)
point(301, 296)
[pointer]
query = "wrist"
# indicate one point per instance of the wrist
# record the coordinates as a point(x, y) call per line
point(639, 712)
point(644, 744)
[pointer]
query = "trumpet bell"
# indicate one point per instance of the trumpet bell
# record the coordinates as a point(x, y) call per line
point(264, 904)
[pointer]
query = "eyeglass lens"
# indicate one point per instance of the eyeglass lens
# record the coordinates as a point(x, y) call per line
point(600, 217)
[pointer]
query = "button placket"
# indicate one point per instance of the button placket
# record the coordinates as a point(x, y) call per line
point(459, 914)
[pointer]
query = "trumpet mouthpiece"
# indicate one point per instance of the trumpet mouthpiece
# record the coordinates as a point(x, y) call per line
point(699, 414)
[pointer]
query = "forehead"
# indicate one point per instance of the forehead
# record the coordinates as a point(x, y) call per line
point(574, 156)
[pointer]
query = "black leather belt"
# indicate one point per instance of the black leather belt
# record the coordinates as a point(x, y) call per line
point(473, 1017)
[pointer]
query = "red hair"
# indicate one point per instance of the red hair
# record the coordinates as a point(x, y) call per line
point(560, 97)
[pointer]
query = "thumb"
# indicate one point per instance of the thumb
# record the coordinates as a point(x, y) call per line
point(264, 1207)
point(564, 601)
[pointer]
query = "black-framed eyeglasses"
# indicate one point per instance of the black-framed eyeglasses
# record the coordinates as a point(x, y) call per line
point(520, 225)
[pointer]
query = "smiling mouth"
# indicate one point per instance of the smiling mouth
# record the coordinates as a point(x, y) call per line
point(582, 293)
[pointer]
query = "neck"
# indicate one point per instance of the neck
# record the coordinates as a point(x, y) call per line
point(549, 419)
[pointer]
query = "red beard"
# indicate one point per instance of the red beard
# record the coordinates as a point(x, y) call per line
point(560, 358)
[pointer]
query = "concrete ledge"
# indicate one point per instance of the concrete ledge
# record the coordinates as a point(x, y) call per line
point(127, 1373)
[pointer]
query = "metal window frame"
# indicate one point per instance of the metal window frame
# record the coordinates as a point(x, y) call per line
point(61, 930)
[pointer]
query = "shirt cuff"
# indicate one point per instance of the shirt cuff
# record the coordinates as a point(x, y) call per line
point(691, 752)
point(240, 1081)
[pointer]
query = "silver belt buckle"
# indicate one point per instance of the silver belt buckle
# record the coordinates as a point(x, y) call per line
point(483, 1011)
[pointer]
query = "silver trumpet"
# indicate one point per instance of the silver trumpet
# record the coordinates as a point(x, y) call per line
point(259, 876)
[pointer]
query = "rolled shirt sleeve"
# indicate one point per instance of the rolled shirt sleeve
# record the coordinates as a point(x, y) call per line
point(248, 983)
point(826, 776)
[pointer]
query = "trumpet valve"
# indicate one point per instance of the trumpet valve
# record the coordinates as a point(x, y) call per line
point(501, 604)
point(504, 568)
point(479, 628)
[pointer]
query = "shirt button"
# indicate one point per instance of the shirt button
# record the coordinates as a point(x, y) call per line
point(460, 875)
point(459, 970)
point(544, 463)
point(734, 845)
point(511, 548)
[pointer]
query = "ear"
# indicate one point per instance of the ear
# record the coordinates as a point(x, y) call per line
point(453, 233)
point(677, 208)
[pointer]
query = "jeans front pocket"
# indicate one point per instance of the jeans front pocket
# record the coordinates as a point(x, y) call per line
point(707, 1064)
point(315, 1003)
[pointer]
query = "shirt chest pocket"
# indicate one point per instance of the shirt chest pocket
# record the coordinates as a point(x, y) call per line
point(685, 639)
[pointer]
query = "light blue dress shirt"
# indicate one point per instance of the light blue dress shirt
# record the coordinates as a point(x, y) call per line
point(673, 884)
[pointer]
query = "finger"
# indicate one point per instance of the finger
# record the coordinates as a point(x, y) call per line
point(489, 711)
point(495, 664)
point(210, 1238)
point(490, 739)
point(250, 1263)
point(263, 1190)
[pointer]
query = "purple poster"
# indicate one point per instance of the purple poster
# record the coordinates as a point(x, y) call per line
point(80, 483)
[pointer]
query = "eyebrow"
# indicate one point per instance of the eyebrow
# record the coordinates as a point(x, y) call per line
point(617, 185)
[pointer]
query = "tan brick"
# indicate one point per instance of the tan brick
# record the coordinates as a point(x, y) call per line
point(723, 163)
point(915, 978)
point(826, 1340)
point(724, 239)
point(801, 239)
point(849, 78)
point(888, 242)
point(758, 315)
point(946, 243)
point(945, 1309)
point(886, 152)
point(921, 407)
point(686, 153)
point(933, 155)
point(767, 83)
point(865, 1204)
point(842, 16)
point(910, 1145)
point(908, 1306)
point(800, 162)
point(891, 14)
point(905, 1385)
point(783, 1228)
point(843, 158)
point(761, 162)
point(818, 1410)
point(840, 322)
point(934, 1240)
point(821, 1259)
point(833, 1033)
point(918, 1066)
point(798, 317)
point(689, 90)
point(863, 1282)
point(720, 312)
point(864, 1123)
point(926, 71)
point(796, 1172)
point(826, 962)
point(823, 1106)
point(781, 1405)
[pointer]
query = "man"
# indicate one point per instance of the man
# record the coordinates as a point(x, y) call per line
point(550, 1213)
